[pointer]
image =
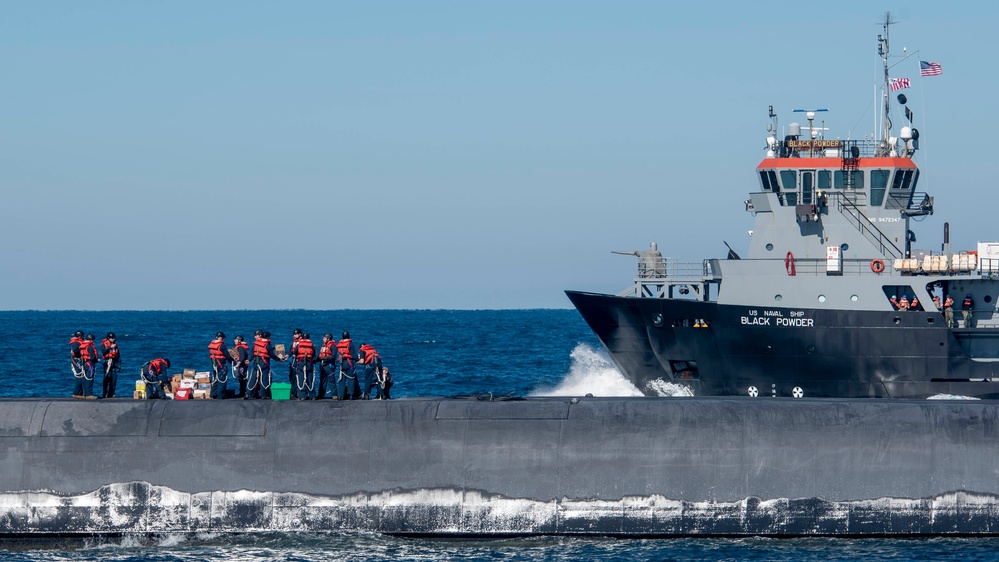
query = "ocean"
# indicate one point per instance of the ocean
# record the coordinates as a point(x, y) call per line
point(430, 353)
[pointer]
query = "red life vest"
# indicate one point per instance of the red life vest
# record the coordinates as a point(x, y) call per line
point(326, 351)
point(343, 346)
point(215, 350)
point(87, 350)
point(260, 348)
point(968, 304)
point(242, 345)
point(76, 340)
point(369, 355)
point(304, 349)
point(948, 303)
point(156, 366)
point(914, 303)
point(111, 349)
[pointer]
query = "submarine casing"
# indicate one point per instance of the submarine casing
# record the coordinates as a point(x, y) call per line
point(452, 467)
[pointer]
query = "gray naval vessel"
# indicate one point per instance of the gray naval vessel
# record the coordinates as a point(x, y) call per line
point(665, 466)
point(822, 305)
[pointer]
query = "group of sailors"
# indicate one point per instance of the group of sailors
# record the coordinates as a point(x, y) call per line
point(947, 306)
point(339, 370)
point(85, 359)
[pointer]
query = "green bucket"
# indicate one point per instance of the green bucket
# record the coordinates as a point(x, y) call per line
point(280, 391)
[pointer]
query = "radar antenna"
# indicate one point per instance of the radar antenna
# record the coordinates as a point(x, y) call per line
point(886, 21)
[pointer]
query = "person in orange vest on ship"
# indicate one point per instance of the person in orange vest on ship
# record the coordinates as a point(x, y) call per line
point(903, 303)
point(347, 379)
point(372, 363)
point(936, 302)
point(259, 384)
point(304, 355)
point(89, 358)
point(894, 302)
point(112, 365)
point(296, 336)
point(948, 310)
point(219, 355)
point(327, 366)
point(241, 363)
point(154, 374)
point(75, 363)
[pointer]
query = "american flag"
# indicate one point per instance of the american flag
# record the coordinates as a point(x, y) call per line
point(898, 83)
point(929, 68)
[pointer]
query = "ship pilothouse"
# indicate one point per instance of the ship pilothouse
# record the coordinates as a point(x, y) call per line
point(832, 298)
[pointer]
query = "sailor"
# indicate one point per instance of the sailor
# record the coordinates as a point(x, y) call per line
point(347, 378)
point(327, 363)
point(75, 363)
point(259, 384)
point(154, 374)
point(219, 355)
point(88, 362)
point(903, 303)
point(936, 301)
point(305, 375)
point(112, 364)
point(894, 302)
point(968, 310)
point(372, 363)
point(914, 304)
point(241, 362)
point(295, 337)
point(384, 384)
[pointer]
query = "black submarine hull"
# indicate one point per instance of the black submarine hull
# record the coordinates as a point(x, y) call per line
point(725, 350)
point(588, 466)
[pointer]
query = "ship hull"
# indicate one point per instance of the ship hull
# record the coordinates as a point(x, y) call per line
point(727, 350)
point(587, 466)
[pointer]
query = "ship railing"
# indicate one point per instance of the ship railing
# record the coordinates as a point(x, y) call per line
point(850, 210)
point(671, 278)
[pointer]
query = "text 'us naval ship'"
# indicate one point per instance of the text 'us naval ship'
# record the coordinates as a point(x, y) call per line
point(823, 304)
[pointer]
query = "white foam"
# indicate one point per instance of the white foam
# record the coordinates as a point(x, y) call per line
point(951, 397)
point(591, 372)
point(666, 388)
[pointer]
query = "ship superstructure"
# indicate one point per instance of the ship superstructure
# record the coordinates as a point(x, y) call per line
point(833, 299)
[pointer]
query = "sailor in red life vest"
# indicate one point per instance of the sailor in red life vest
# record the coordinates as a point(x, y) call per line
point(240, 365)
point(327, 364)
point(347, 379)
point(259, 384)
point(936, 301)
point(903, 303)
point(305, 375)
point(914, 303)
point(295, 336)
point(894, 302)
point(75, 363)
point(112, 364)
point(948, 310)
point(368, 357)
point(89, 359)
point(154, 374)
point(219, 355)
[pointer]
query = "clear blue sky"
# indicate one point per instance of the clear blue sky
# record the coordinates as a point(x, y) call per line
point(326, 155)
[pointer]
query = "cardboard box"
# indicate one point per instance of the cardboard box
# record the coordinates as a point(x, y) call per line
point(204, 386)
point(183, 394)
point(188, 373)
point(234, 354)
point(176, 380)
point(139, 395)
point(200, 394)
point(139, 385)
point(188, 384)
point(279, 349)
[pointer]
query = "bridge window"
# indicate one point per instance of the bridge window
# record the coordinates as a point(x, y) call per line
point(825, 179)
point(852, 180)
point(806, 187)
point(769, 180)
point(789, 180)
point(879, 183)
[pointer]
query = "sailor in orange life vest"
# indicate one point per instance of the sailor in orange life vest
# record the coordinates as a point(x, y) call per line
point(154, 374)
point(75, 363)
point(327, 365)
point(219, 355)
point(296, 335)
point(89, 359)
point(259, 384)
point(372, 363)
point(346, 386)
point(305, 376)
point(241, 363)
point(112, 364)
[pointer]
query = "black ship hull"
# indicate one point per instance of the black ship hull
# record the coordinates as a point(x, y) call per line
point(731, 350)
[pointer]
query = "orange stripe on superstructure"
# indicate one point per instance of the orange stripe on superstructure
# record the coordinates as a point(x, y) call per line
point(832, 163)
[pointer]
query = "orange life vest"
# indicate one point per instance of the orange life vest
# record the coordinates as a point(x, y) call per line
point(78, 341)
point(215, 350)
point(326, 351)
point(260, 348)
point(304, 349)
point(156, 366)
point(242, 345)
point(949, 302)
point(343, 346)
point(87, 350)
point(369, 355)
point(112, 349)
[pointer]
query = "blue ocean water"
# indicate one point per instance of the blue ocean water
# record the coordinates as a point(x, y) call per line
point(431, 353)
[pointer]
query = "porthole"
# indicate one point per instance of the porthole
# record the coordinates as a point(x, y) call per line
point(929, 320)
point(810, 349)
point(897, 320)
point(822, 298)
point(657, 320)
point(778, 298)
point(988, 298)
point(770, 247)
point(854, 298)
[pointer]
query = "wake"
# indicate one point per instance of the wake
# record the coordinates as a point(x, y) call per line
point(591, 372)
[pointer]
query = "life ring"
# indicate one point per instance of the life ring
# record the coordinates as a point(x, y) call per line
point(789, 264)
point(877, 266)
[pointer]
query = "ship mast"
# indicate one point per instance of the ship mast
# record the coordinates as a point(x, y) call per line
point(887, 20)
